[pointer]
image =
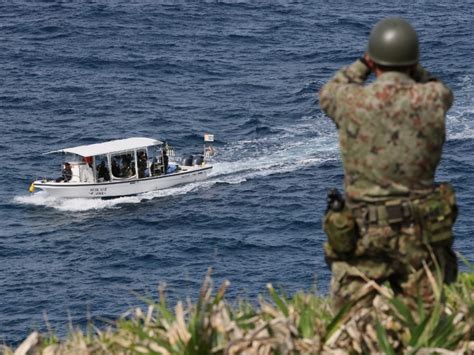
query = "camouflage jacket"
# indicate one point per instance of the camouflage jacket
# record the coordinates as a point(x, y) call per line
point(391, 131)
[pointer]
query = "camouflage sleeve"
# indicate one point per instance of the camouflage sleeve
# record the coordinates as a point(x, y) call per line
point(346, 79)
point(422, 76)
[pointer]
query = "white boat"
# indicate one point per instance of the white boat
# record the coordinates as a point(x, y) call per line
point(121, 168)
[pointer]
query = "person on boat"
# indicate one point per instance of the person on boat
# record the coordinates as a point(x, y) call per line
point(103, 172)
point(115, 168)
point(127, 170)
point(154, 167)
point(86, 173)
point(142, 165)
point(88, 161)
point(164, 159)
point(395, 222)
point(66, 173)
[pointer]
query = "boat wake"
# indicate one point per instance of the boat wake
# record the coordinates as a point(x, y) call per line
point(292, 149)
point(460, 116)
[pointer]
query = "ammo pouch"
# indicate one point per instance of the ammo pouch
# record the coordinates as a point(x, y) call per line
point(437, 213)
point(340, 227)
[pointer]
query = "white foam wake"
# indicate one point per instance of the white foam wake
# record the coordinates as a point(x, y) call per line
point(460, 118)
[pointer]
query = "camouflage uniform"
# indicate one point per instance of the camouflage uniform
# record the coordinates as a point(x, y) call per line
point(391, 134)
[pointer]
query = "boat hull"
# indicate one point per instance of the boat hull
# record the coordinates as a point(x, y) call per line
point(122, 188)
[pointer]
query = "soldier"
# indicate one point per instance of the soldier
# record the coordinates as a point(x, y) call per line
point(395, 219)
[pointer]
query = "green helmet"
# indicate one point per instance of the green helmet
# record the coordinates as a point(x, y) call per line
point(393, 42)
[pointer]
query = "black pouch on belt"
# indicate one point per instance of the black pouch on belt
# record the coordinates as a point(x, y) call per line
point(437, 214)
point(339, 225)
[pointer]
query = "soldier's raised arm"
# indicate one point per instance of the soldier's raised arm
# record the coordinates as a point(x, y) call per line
point(345, 80)
point(422, 76)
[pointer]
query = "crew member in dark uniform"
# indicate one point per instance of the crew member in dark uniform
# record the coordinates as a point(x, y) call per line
point(66, 173)
point(142, 165)
point(164, 159)
point(103, 172)
point(115, 168)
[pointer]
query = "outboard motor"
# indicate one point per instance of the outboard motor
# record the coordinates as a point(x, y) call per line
point(188, 161)
point(198, 160)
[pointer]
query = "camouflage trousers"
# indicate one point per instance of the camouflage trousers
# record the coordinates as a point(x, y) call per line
point(387, 254)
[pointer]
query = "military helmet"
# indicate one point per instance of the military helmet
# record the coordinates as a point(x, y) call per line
point(393, 42)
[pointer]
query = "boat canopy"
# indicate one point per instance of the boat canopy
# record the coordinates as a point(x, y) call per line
point(118, 145)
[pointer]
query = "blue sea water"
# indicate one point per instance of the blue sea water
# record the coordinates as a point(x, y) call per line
point(75, 73)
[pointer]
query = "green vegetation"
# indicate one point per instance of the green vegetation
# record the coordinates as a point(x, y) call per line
point(303, 323)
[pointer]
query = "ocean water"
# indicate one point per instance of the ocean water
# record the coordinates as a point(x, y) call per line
point(75, 73)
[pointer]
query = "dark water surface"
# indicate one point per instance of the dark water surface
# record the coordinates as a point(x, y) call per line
point(77, 73)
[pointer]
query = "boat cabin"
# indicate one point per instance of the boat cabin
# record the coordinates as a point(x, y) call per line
point(118, 160)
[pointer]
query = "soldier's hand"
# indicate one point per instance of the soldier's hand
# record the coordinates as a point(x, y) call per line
point(368, 62)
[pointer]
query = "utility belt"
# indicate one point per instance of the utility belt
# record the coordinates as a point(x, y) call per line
point(434, 212)
point(390, 212)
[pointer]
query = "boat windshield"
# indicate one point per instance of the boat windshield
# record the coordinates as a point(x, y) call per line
point(123, 165)
point(154, 152)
